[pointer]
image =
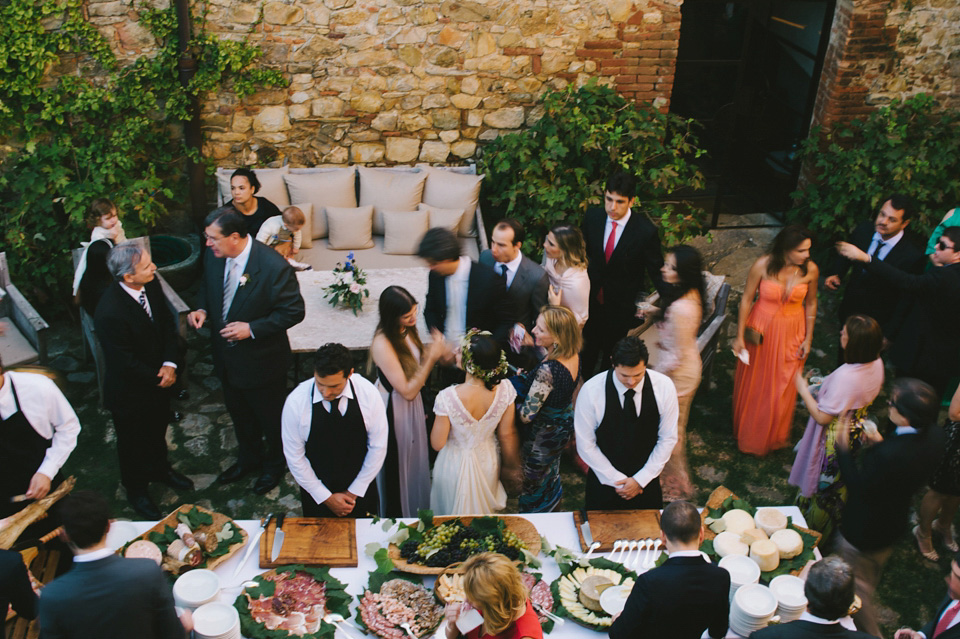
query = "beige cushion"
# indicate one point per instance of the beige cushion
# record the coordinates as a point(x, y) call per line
point(350, 228)
point(449, 190)
point(445, 218)
point(325, 188)
point(403, 231)
point(271, 185)
point(389, 190)
point(305, 240)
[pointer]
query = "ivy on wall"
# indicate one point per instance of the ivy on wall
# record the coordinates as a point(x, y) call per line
point(80, 125)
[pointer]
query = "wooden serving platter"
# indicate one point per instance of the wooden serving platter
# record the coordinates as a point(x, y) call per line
point(312, 541)
point(607, 526)
point(521, 527)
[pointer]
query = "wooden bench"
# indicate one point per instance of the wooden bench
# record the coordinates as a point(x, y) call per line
point(25, 339)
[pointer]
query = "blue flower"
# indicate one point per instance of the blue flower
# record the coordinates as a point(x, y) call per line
point(348, 266)
point(350, 256)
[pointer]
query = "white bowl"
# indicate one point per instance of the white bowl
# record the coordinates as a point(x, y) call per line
point(743, 570)
point(789, 592)
point(196, 588)
point(756, 601)
point(120, 533)
point(215, 619)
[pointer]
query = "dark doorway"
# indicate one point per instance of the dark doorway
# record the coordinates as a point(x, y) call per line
point(748, 70)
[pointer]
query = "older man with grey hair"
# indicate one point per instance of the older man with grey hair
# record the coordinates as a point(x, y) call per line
point(829, 590)
point(138, 335)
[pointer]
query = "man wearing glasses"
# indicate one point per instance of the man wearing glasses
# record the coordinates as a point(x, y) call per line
point(926, 344)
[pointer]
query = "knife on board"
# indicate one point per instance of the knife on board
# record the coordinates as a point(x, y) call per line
point(278, 536)
point(253, 544)
point(585, 528)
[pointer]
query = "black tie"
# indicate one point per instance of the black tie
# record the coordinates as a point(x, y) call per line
point(876, 250)
point(503, 273)
point(629, 407)
point(143, 303)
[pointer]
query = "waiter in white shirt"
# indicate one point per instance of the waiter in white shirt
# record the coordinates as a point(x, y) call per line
point(38, 431)
point(626, 428)
point(334, 430)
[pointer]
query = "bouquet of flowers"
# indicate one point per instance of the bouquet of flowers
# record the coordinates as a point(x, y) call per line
point(349, 287)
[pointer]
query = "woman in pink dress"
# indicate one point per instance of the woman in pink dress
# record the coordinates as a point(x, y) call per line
point(774, 332)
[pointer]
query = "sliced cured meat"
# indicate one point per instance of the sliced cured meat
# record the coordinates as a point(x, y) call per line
point(297, 605)
point(400, 601)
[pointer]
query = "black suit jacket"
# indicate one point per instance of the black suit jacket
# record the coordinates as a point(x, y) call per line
point(110, 598)
point(623, 277)
point(15, 586)
point(866, 292)
point(487, 306)
point(528, 292)
point(950, 633)
point(134, 346)
point(927, 338)
point(880, 488)
point(800, 629)
point(269, 300)
point(680, 599)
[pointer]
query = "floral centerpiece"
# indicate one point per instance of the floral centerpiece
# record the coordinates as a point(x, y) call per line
point(349, 286)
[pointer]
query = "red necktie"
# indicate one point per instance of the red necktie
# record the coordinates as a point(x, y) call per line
point(611, 242)
point(947, 618)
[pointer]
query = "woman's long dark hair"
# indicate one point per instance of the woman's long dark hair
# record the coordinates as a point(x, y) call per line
point(689, 276)
point(395, 302)
point(786, 240)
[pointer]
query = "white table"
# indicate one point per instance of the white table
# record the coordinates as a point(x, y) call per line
point(559, 528)
point(323, 323)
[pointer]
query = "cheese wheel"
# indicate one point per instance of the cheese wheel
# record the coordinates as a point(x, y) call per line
point(737, 521)
point(766, 554)
point(754, 534)
point(728, 543)
point(590, 591)
point(788, 542)
point(770, 520)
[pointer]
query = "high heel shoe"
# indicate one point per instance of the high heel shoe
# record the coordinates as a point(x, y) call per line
point(925, 545)
point(949, 540)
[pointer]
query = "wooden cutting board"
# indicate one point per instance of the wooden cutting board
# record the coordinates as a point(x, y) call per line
point(608, 526)
point(312, 541)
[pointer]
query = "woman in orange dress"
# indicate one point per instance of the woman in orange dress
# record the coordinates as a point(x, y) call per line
point(774, 332)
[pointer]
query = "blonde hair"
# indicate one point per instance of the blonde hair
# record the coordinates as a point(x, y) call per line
point(493, 585)
point(562, 325)
point(573, 248)
point(293, 215)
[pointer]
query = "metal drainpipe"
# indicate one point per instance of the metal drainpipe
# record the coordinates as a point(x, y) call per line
point(187, 67)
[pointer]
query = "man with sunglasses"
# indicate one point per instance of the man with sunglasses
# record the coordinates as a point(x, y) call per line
point(888, 239)
point(926, 344)
point(881, 486)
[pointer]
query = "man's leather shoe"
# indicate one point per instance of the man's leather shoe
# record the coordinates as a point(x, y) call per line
point(183, 395)
point(144, 506)
point(235, 472)
point(177, 481)
point(266, 482)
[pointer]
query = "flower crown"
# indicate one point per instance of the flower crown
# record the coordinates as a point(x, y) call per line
point(466, 358)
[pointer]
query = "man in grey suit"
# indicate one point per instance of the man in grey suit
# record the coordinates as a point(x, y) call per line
point(105, 595)
point(249, 296)
point(525, 280)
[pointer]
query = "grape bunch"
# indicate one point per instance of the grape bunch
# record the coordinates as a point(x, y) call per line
point(452, 542)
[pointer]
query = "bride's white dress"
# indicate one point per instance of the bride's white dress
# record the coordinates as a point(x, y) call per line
point(466, 475)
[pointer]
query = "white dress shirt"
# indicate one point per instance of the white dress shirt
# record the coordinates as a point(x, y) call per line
point(135, 294)
point(512, 267)
point(47, 410)
point(591, 404)
point(887, 245)
point(295, 430)
point(93, 555)
point(806, 616)
point(608, 226)
point(456, 287)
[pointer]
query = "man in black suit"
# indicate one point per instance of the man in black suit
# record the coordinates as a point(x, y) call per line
point(881, 486)
point(926, 342)
point(139, 340)
point(887, 239)
point(15, 588)
point(526, 281)
point(250, 296)
point(684, 596)
point(462, 294)
point(946, 623)
point(829, 592)
point(105, 595)
point(621, 244)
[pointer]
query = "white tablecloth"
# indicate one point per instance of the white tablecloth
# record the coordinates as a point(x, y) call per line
point(558, 528)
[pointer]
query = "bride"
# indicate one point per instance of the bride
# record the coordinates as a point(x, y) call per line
point(470, 419)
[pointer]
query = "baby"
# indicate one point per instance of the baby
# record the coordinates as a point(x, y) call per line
point(282, 232)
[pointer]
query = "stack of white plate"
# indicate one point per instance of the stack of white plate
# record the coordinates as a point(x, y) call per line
point(791, 602)
point(195, 588)
point(216, 620)
point(743, 571)
point(752, 609)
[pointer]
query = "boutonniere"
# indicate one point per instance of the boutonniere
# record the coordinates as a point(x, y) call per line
point(244, 279)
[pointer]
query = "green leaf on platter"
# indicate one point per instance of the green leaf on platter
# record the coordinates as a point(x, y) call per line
point(426, 516)
point(384, 563)
point(338, 601)
point(223, 546)
point(488, 524)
